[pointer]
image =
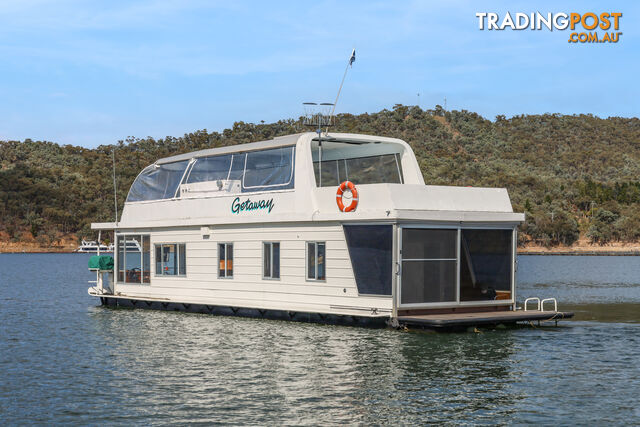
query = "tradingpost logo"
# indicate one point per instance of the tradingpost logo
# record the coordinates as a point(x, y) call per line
point(585, 27)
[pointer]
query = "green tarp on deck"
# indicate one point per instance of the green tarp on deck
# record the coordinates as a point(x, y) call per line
point(101, 262)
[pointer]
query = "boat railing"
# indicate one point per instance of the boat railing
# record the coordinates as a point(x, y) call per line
point(540, 303)
point(535, 299)
point(555, 303)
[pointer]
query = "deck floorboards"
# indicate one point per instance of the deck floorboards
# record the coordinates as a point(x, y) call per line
point(483, 318)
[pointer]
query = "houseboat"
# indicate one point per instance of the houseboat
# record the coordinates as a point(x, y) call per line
point(330, 227)
point(92, 246)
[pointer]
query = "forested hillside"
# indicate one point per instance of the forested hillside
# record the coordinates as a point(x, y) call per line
point(572, 175)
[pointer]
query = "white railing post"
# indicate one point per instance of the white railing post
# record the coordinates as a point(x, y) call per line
point(531, 299)
point(555, 304)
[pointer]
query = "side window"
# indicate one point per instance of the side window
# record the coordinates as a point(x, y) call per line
point(370, 249)
point(225, 260)
point(271, 260)
point(316, 260)
point(210, 169)
point(133, 259)
point(269, 169)
point(171, 259)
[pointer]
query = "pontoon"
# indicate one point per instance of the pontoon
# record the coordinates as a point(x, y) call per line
point(337, 228)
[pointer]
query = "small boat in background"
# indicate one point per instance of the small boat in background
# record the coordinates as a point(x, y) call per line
point(92, 247)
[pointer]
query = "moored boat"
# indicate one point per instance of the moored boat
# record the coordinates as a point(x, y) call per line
point(93, 246)
point(323, 227)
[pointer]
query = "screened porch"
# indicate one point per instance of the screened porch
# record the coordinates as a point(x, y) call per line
point(442, 267)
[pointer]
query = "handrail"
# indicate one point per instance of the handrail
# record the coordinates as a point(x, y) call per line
point(555, 304)
point(532, 299)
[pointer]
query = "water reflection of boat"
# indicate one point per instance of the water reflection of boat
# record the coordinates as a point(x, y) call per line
point(130, 245)
point(92, 246)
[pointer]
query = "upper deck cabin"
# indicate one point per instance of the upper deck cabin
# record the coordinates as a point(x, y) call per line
point(294, 178)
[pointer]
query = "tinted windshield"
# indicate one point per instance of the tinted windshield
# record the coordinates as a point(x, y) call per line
point(359, 163)
point(263, 170)
point(157, 182)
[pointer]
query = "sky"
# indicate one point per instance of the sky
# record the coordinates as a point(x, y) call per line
point(91, 73)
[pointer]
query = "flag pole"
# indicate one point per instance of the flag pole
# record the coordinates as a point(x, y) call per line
point(115, 187)
point(352, 59)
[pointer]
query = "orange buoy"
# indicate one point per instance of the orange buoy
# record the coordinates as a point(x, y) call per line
point(340, 193)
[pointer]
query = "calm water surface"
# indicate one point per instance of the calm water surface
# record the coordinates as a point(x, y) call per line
point(63, 360)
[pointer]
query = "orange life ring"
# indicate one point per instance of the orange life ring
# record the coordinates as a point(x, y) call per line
point(354, 192)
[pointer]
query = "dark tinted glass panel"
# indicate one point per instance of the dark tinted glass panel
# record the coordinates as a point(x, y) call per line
point(485, 264)
point(133, 259)
point(222, 255)
point(428, 281)
point(311, 260)
point(158, 259)
point(374, 170)
point(330, 173)
point(230, 260)
point(182, 251)
point(266, 262)
point(146, 259)
point(420, 243)
point(321, 261)
point(276, 260)
point(120, 258)
point(169, 260)
point(370, 250)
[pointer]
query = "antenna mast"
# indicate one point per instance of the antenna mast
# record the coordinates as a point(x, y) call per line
point(352, 59)
point(115, 188)
point(317, 116)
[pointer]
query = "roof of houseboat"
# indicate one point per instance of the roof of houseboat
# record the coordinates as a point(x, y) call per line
point(204, 187)
point(279, 141)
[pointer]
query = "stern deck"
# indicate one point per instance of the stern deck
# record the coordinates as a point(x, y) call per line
point(460, 320)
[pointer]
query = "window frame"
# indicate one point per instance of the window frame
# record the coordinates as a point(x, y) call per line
point(117, 259)
point(306, 261)
point(178, 252)
point(226, 255)
point(270, 245)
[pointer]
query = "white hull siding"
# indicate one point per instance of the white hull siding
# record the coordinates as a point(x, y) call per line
point(338, 294)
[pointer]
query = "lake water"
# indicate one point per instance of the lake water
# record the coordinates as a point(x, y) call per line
point(64, 360)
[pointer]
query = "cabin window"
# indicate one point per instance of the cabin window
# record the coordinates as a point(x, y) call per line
point(262, 170)
point(370, 249)
point(269, 169)
point(358, 162)
point(316, 255)
point(133, 258)
point(429, 265)
point(485, 264)
point(225, 260)
point(271, 260)
point(171, 259)
point(210, 169)
point(158, 182)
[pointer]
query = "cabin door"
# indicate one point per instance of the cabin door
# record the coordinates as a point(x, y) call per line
point(429, 266)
